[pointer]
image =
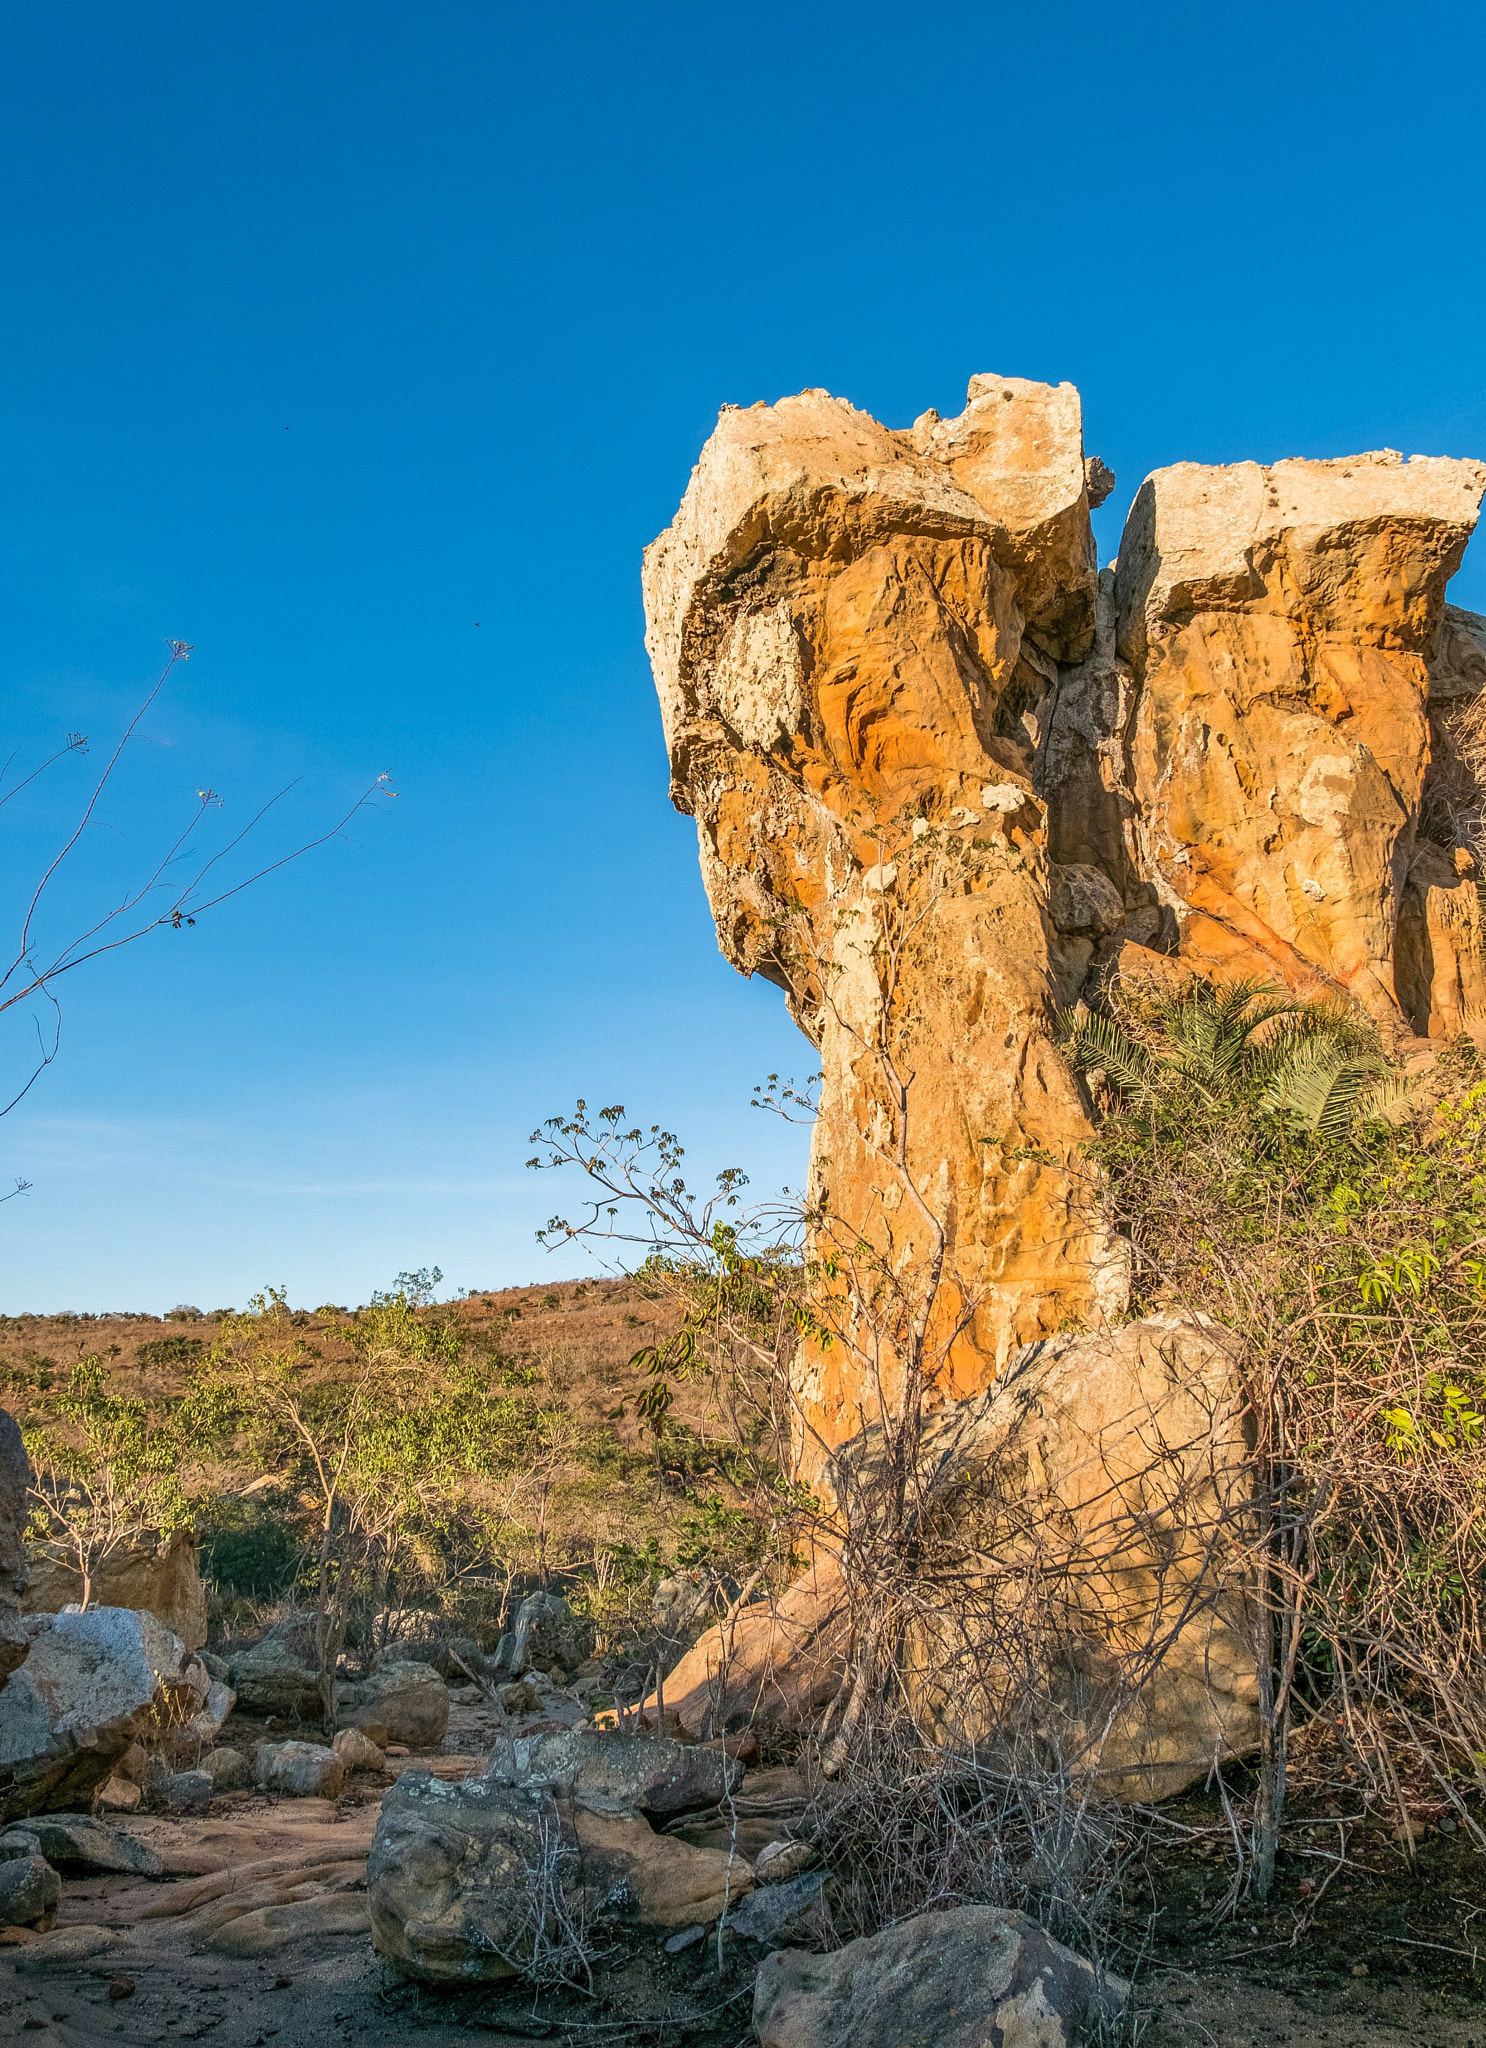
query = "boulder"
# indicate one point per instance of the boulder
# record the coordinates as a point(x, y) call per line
point(74, 1841)
point(29, 1891)
point(15, 1481)
point(228, 1769)
point(448, 1655)
point(607, 1772)
point(279, 1674)
point(547, 1632)
point(1108, 1462)
point(299, 1770)
point(778, 1662)
point(960, 1979)
point(120, 1795)
point(466, 1880)
point(1083, 900)
point(358, 1752)
point(160, 1575)
point(91, 1685)
point(183, 1791)
point(409, 1700)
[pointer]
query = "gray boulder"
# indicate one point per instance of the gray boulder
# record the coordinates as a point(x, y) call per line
point(959, 1979)
point(299, 1770)
point(280, 1674)
point(74, 1840)
point(29, 1891)
point(612, 1773)
point(547, 1632)
point(409, 1700)
point(468, 1881)
point(446, 1655)
point(187, 1791)
point(91, 1684)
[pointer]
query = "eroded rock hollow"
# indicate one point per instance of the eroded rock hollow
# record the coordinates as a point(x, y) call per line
point(871, 644)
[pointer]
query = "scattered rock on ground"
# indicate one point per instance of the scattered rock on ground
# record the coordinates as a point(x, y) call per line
point(120, 1795)
point(790, 1915)
point(187, 1791)
point(29, 1891)
point(461, 1875)
point(279, 1674)
point(960, 1979)
point(613, 1773)
point(299, 1770)
point(358, 1752)
point(75, 1839)
point(409, 1700)
point(228, 1769)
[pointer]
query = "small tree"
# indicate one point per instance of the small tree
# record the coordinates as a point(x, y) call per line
point(103, 1477)
point(391, 1449)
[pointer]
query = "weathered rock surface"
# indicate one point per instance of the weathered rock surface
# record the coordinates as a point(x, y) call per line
point(465, 1880)
point(409, 1700)
point(613, 1773)
point(780, 1661)
point(279, 1674)
point(1280, 623)
point(90, 1686)
point(1439, 950)
point(546, 1632)
point(74, 1840)
point(29, 1891)
point(299, 1770)
point(968, 1978)
point(15, 1478)
point(789, 1914)
point(947, 779)
point(228, 1769)
point(848, 628)
point(357, 1751)
point(160, 1575)
point(1105, 1464)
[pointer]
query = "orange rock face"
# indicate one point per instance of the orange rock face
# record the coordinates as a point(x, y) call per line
point(937, 763)
point(847, 627)
point(1279, 623)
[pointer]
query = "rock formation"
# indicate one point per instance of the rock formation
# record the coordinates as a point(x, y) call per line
point(938, 764)
point(947, 775)
point(478, 1880)
point(91, 1685)
point(15, 1478)
point(160, 1575)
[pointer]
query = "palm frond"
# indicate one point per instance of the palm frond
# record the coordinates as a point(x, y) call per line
point(1323, 1087)
point(1094, 1043)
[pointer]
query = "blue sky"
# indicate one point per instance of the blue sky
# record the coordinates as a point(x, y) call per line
point(365, 346)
